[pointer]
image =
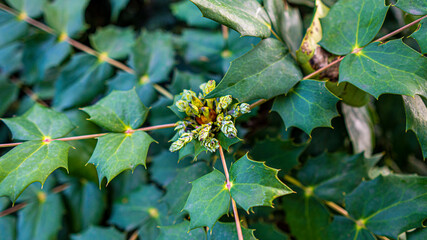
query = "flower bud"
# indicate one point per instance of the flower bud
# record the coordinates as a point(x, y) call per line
point(187, 95)
point(181, 105)
point(208, 87)
point(227, 127)
point(211, 144)
point(223, 103)
point(204, 131)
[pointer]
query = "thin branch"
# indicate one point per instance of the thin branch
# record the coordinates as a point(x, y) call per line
point(163, 126)
point(29, 92)
point(400, 29)
point(228, 184)
point(257, 103)
point(81, 46)
point(339, 59)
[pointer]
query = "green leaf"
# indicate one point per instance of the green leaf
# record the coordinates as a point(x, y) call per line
point(42, 217)
point(333, 176)
point(181, 231)
point(186, 80)
point(39, 123)
point(228, 231)
point(287, 21)
point(179, 188)
point(119, 111)
point(114, 41)
point(278, 153)
point(164, 167)
point(42, 52)
point(33, 8)
point(264, 72)
point(360, 127)
point(421, 35)
point(66, 17)
point(29, 162)
point(189, 13)
point(307, 217)
point(390, 204)
point(209, 199)
point(226, 142)
point(255, 184)
point(153, 56)
point(99, 233)
point(10, 57)
point(392, 67)
point(350, 25)
point(116, 7)
point(8, 227)
point(85, 75)
point(268, 231)
point(116, 152)
point(11, 29)
point(9, 94)
point(192, 149)
point(419, 234)
point(415, 7)
point(343, 229)
point(309, 98)
point(348, 93)
point(127, 182)
point(245, 16)
point(416, 119)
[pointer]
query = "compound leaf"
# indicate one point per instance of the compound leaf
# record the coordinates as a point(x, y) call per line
point(421, 35)
point(99, 233)
point(209, 199)
point(66, 17)
point(392, 67)
point(119, 111)
point(114, 41)
point(247, 17)
point(352, 24)
point(309, 98)
point(416, 119)
point(255, 184)
point(266, 71)
point(39, 123)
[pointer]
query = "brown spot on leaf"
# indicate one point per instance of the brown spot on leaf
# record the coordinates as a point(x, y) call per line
point(320, 59)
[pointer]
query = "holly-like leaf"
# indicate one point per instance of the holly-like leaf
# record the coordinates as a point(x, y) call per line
point(66, 17)
point(332, 176)
point(119, 111)
point(309, 98)
point(266, 71)
point(418, 234)
point(228, 231)
point(245, 16)
point(350, 25)
point(33, 219)
point(39, 123)
point(421, 34)
point(181, 231)
point(209, 199)
point(85, 75)
point(29, 162)
point(278, 153)
point(99, 233)
point(389, 205)
point(307, 218)
point(348, 93)
point(114, 41)
point(192, 149)
point(416, 119)
point(392, 67)
point(415, 7)
point(226, 142)
point(32, 8)
point(179, 188)
point(153, 56)
point(188, 12)
point(116, 152)
point(9, 93)
point(11, 29)
point(255, 184)
point(287, 21)
point(164, 167)
point(343, 228)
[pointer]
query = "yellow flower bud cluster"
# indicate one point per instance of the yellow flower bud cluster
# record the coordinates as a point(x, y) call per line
point(206, 118)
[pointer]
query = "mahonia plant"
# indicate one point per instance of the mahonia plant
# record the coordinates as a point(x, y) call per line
point(206, 117)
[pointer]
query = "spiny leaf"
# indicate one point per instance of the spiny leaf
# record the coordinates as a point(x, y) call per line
point(392, 67)
point(421, 35)
point(209, 199)
point(245, 16)
point(188, 12)
point(352, 24)
point(389, 205)
point(416, 119)
point(116, 152)
point(119, 111)
point(66, 17)
point(264, 72)
point(343, 229)
point(228, 231)
point(181, 231)
point(268, 231)
point(29, 162)
point(415, 7)
point(419, 234)
point(255, 184)
point(114, 41)
point(39, 123)
point(309, 98)
point(192, 149)
point(33, 8)
point(348, 93)
point(99, 233)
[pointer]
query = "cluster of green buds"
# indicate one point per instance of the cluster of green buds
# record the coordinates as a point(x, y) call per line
point(206, 118)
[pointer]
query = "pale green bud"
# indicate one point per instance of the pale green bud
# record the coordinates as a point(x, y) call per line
point(204, 131)
point(227, 127)
point(180, 127)
point(211, 144)
point(245, 108)
point(196, 102)
point(187, 95)
point(181, 142)
point(223, 103)
point(208, 87)
point(181, 105)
